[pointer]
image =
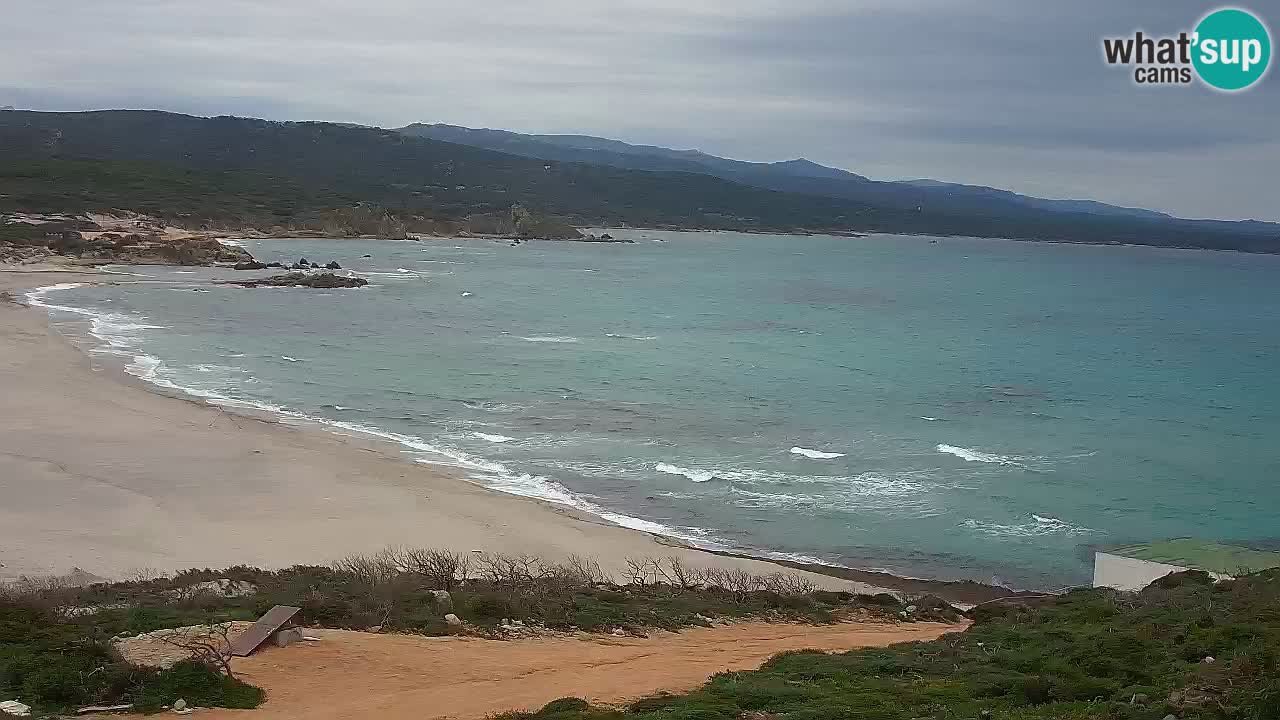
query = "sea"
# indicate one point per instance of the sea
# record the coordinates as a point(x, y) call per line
point(947, 408)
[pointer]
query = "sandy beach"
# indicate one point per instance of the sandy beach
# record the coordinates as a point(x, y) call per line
point(100, 473)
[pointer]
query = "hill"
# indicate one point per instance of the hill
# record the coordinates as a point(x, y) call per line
point(225, 170)
point(799, 175)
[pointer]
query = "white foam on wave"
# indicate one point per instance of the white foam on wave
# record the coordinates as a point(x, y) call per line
point(398, 273)
point(694, 475)
point(870, 491)
point(815, 454)
point(1039, 526)
point(286, 358)
point(111, 271)
point(231, 243)
point(620, 336)
point(117, 330)
point(492, 437)
point(551, 339)
point(969, 455)
point(541, 488)
point(697, 476)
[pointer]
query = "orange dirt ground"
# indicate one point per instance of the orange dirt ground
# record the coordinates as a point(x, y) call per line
point(405, 677)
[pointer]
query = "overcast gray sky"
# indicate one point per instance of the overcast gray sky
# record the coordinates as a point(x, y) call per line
point(1008, 93)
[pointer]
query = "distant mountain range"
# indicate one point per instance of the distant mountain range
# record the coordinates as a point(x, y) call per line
point(241, 172)
point(799, 175)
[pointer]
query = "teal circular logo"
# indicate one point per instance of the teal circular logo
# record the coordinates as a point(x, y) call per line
point(1232, 49)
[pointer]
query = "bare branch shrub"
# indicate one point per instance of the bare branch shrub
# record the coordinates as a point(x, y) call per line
point(639, 571)
point(209, 645)
point(443, 568)
point(578, 570)
point(375, 569)
point(512, 572)
point(787, 584)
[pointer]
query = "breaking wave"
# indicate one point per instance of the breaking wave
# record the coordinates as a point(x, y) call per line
point(550, 339)
point(969, 455)
point(493, 438)
point(697, 476)
point(815, 454)
point(1038, 526)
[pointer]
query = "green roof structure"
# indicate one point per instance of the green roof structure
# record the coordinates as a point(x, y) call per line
point(1204, 555)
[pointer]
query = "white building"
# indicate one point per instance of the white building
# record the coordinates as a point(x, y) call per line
point(1133, 567)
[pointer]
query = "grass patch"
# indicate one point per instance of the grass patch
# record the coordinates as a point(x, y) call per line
point(57, 664)
point(1089, 654)
point(55, 642)
point(397, 592)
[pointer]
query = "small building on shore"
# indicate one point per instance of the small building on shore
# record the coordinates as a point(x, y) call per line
point(1133, 567)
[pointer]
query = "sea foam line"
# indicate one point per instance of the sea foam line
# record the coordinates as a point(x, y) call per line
point(550, 339)
point(490, 474)
point(815, 454)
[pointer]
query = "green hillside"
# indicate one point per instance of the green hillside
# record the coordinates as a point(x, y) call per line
point(253, 171)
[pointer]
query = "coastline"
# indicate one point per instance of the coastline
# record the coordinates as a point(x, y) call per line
point(105, 473)
point(361, 478)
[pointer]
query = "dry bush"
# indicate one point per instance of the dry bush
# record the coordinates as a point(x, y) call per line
point(375, 569)
point(511, 572)
point(144, 575)
point(209, 645)
point(737, 581)
point(787, 584)
point(579, 570)
point(639, 571)
point(674, 573)
point(43, 592)
point(443, 568)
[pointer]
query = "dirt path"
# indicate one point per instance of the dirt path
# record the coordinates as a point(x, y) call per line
point(395, 677)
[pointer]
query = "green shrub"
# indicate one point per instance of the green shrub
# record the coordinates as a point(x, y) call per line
point(198, 685)
point(564, 704)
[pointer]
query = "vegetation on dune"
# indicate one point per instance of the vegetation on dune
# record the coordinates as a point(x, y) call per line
point(55, 649)
point(1184, 647)
point(56, 663)
point(396, 590)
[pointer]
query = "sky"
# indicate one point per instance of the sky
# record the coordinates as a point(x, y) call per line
point(1005, 93)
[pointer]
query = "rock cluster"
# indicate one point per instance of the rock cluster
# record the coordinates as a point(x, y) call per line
point(300, 279)
point(222, 587)
point(303, 264)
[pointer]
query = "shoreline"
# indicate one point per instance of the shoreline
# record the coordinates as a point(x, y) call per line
point(491, 520)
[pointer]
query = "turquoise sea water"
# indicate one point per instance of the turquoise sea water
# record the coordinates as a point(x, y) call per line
point(966, 408)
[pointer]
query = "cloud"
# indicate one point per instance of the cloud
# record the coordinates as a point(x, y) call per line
point(1000, 92)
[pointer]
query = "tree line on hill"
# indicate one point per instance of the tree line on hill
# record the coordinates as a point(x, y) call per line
point(244, 172)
